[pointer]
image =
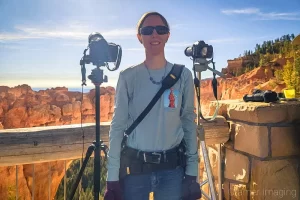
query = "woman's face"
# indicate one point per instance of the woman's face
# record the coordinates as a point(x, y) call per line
point(154, 43)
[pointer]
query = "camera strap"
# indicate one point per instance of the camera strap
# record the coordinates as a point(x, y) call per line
point(215, 91)
point(167, 83)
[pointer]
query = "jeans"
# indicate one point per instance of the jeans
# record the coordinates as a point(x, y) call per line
point(165, 185)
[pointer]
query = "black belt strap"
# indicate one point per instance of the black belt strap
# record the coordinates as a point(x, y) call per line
point(197, 88)
point(167, 83)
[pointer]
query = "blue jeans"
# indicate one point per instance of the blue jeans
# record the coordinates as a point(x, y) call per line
point(165, 185)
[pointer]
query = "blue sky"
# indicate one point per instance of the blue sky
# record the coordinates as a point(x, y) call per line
point(42, 42)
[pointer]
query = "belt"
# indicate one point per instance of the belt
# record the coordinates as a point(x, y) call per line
point(134, 161)
point(167, 156)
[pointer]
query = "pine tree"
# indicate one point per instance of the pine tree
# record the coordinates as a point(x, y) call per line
point(292, 36)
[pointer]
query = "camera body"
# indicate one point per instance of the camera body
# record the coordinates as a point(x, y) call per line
point(100, 51)
point(266, 96)
point(199, 50)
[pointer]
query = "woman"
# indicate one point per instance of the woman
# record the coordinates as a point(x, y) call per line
point(168, 123)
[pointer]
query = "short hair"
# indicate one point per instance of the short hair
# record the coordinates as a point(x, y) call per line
point(147, 14)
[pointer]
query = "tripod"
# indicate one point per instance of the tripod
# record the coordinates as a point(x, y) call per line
point(201, 65)
point(97, 79)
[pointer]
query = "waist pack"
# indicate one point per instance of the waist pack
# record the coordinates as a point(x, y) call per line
point(133, 161)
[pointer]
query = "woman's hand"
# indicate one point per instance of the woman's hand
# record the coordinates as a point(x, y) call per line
point(191, 189)
point(113, 191)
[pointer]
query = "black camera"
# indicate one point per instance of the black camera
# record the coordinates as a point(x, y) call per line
point(101, 51)
point(199, 50)
point(266, 96)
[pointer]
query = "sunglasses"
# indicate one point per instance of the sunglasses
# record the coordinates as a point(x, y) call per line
point(148, 30)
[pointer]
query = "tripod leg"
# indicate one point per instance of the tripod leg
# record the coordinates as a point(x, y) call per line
point(86, 159)
point(97, 163)
point(208, 171)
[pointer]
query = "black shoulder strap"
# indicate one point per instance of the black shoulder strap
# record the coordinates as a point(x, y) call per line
point(167, 83)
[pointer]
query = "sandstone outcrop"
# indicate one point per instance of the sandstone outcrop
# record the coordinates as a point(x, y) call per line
point(22, 107)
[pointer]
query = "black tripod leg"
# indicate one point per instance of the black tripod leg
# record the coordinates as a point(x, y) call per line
point(97, 163)
point(86, 159)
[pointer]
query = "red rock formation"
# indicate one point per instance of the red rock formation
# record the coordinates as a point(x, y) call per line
point(22, 107)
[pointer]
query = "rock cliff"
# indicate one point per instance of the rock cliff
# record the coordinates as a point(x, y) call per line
point(22, 107)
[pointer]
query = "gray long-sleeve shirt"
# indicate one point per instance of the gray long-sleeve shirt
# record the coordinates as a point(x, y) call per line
point(170, 120)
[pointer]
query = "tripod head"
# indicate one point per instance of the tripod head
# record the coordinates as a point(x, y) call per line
point(201, 64)
point(201, 53)
point(97, 77)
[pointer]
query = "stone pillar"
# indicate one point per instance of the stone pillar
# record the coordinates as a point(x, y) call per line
point(262, 158)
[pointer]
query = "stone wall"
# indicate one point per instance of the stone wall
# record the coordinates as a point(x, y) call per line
point(261, 160)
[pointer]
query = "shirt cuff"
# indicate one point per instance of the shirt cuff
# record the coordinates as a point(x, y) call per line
point(112, 175)
point(192, 169)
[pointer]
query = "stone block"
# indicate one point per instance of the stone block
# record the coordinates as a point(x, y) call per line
point(275, 179)
point(238, 192)
point(285, 141)
point(236, 166)
point(257, 112)
point(251, 139)
point(294, 112)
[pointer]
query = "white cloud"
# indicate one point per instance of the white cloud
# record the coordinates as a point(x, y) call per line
point(259, 15)
point(278, 16)
point(72, 31)
point(15, 36)
point(240, 11)
point(119, 33)
point(17, 47)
